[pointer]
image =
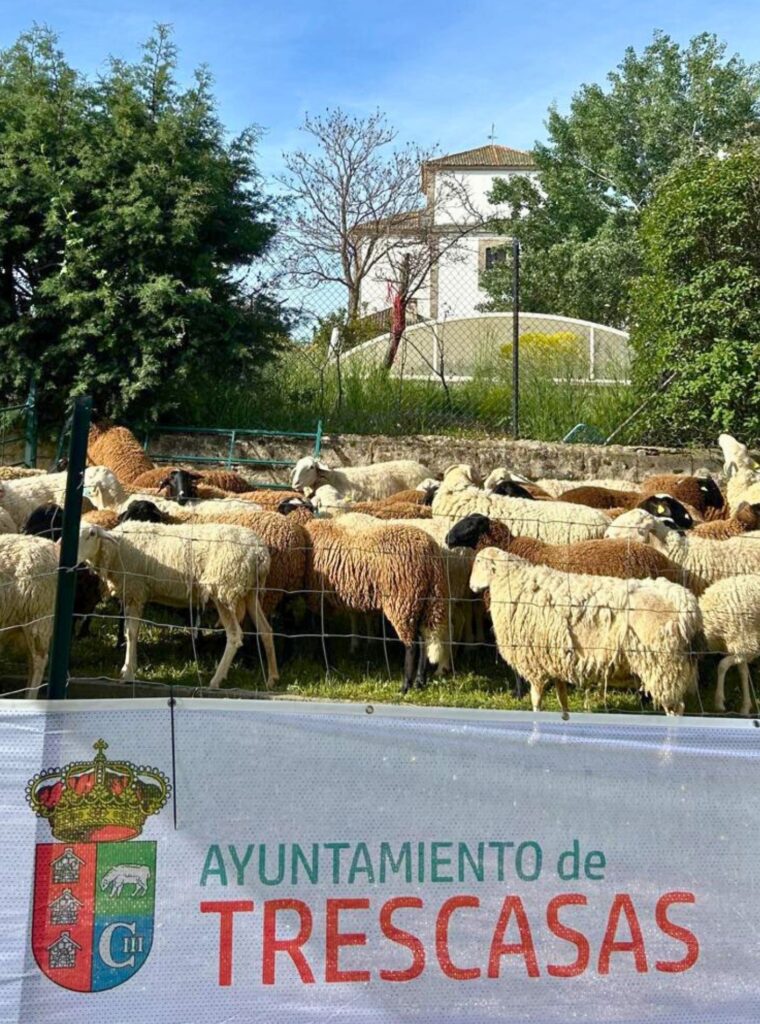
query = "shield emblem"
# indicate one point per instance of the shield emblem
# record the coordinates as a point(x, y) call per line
point(92, 926)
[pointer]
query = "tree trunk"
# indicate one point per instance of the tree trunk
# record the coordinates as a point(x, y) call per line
point(398, 314)
point(7, 287)
point(354, 292)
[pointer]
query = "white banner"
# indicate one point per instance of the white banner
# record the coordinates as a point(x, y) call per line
point(237, 861)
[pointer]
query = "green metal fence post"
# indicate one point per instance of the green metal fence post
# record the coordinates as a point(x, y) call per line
point(30, 432)
point(72, 510)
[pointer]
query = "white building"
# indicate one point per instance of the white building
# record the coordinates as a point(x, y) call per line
point(456, 188)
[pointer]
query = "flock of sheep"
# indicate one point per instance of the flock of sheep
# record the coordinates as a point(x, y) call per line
point(591, 585)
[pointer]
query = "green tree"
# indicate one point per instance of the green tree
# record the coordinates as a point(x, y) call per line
point(695, 307)
point(130, 229)
point(578, 220)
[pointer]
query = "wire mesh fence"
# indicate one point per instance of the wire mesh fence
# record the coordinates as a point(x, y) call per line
point(440, 361)
point(18, 430)
point(367, 609)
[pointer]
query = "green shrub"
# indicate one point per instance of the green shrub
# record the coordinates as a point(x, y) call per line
point(696, 306)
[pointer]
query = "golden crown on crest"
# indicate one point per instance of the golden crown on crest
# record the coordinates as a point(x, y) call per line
point(97, 801)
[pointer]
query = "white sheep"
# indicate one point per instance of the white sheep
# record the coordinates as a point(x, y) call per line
point(7, 525)
point(20, 497)
point(359, 483)
point(703, 559)
point(552, 521)
point(28, 575)
point(182, 566)
point(555, 486)
point(570, 628)
point(742, 472)
point(731, 615)
point(201, 508)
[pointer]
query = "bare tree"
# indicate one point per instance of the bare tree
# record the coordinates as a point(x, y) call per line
point(357, 211)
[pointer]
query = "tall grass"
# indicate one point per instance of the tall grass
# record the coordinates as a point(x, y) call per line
point(300, 387)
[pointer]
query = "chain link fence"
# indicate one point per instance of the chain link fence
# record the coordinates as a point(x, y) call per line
point(226, 591)
point(18, 430)
point(441, 361)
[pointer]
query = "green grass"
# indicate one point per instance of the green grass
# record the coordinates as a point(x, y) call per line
point(165, 656)
point(296, 390)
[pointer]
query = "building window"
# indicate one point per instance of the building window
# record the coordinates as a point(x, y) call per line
point(496, 256)
point(491, 254)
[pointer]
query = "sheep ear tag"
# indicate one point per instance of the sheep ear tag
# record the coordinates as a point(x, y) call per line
point(94, 889)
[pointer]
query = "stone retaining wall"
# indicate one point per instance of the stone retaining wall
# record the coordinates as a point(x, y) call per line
point(533, 459)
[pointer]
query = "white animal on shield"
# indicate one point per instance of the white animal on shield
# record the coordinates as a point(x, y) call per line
point(120, 875)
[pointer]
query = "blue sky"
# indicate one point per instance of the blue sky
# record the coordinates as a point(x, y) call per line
point(442, 71)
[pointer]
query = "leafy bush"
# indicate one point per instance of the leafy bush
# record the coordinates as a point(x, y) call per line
point(696, 306)
point(129, 224)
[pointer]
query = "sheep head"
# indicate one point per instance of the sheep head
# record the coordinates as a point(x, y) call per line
point(669, 510)
point(468, 531)
point(485, 568)
point(748, 516)
point(103, 487)
point(288, 505)
point(638, 524)
point(735, 456)
point(308, 472)
point(92, 542)
point(460, 476)
point(429, 488)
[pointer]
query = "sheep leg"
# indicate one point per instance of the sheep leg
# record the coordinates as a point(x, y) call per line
point(37, 655)
point(132, 625)
point(720, 686)
point(256, 613)
point(746, 701)
point(234, 641)
point(562, 694)
point(444, 665)
point(478, 615)
point(410, 658)
point(422, 666)
point(120, 640)
point(355, 638)
point(536, 695)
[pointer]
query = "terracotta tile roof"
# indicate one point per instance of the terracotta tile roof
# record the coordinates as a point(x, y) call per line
point(409, 221)
point(491, 157)
point(485, 156)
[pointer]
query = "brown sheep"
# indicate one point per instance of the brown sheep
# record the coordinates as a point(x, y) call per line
point(108, 518)
point(119, 450)
point(408, 497)
point(745, 518)
point(599, 497)
point(222, 479)
point(391, 510)
point(624, 559)
point(267, 497)
point(701, 493)
point(393, 569)
point(18, 472)
point(202, 491)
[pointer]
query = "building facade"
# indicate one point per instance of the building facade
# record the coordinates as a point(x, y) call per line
point(455, 219)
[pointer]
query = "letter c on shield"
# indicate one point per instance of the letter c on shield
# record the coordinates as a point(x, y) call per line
point(104, 946)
